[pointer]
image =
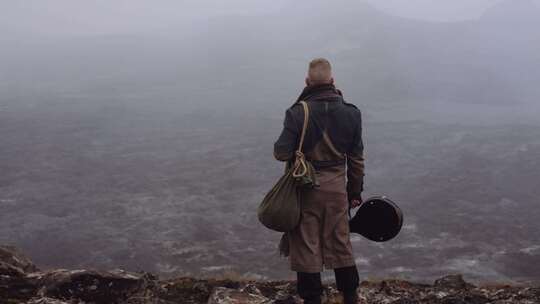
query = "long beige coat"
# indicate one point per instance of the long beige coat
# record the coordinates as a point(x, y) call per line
point(322, 237)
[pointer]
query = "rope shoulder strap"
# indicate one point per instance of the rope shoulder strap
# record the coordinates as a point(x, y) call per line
point(300, 167)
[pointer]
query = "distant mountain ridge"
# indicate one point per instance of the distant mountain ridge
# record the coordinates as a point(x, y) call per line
point(492, 60)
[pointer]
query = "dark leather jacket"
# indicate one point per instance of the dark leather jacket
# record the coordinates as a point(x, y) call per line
point(333, 137)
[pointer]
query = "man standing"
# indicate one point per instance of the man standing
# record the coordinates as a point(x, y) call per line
point(333, 144)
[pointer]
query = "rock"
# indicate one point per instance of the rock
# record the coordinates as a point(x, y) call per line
point(45, 300)
point(190, 290)
point(405, 301)
point(21, 282)
point(288, 300)
point(452, 282)
point(249, 294)
point(453, 300)
point(465, 299)
point(90, 286)
point(15, 287)
point(12, 256)
point(14, 283)
point(279, 292)
point(530, 293)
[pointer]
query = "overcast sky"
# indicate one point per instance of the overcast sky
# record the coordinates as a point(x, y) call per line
point(435, 10)
point(121, 16)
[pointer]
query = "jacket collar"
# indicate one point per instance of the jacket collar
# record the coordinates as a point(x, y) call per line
point(313, 92)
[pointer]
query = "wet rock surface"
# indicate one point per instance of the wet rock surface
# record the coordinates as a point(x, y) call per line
point(11, 256)
point(14, 283)
point(89, 286)
point(22, 282)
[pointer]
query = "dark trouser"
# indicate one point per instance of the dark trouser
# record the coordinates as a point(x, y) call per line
point(310, 287)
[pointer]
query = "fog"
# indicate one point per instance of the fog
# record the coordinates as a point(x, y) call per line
point(438, 11)
point(140, 136)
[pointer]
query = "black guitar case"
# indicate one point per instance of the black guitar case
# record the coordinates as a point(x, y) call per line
point(378, 219)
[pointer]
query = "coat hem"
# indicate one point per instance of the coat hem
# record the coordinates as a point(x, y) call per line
point(340, 264)
point(307, 269)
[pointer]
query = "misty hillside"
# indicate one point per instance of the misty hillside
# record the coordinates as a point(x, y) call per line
point(151, 151)
point(493, 60)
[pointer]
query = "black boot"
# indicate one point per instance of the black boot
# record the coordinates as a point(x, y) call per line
point(347, 282)
point(309, 287)
point(350, 298)
point(316, 300)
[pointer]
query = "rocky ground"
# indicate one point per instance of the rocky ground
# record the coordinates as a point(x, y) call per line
point(22, 282)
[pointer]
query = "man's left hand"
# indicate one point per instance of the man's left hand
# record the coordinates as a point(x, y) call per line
point(356, 202)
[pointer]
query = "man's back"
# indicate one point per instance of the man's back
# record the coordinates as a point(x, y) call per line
point(333, 137)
